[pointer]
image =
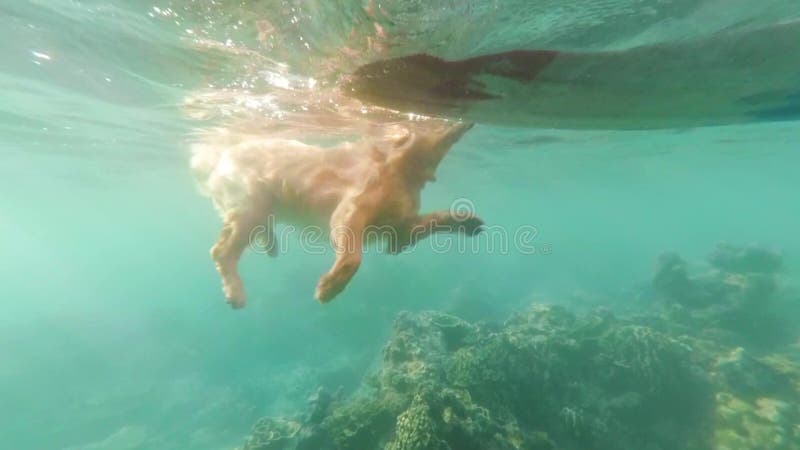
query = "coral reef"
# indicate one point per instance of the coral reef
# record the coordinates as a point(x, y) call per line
point(546, 379)
point(737, 300)
point(680, 377)
point(273, 433)
point(757, 405)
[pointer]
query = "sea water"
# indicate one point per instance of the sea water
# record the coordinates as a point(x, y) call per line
point(113, 331)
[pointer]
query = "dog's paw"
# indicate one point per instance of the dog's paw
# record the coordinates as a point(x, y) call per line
point(470, 226)
point(236, 303)
point(234, 296)
point(327, 289)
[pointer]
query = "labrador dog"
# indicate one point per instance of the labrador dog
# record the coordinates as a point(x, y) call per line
point(373, 183)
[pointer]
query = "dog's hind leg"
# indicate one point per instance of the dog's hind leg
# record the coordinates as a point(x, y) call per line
point(239, 227)
point(348, 223)
point(262, 237)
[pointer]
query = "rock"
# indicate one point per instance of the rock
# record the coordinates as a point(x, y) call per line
point(735, 259)
point(749, 376)
point(671, 279)
point(273, 434)
point(738, 301)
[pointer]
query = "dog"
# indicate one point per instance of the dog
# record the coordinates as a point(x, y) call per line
point(351, 187)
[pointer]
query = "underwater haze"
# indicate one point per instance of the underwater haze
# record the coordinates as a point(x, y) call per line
point(652, 303)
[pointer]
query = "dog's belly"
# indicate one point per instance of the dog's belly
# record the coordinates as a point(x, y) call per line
point(308, 196)
point(306, 191)
point(307, 224)
point(300, 218)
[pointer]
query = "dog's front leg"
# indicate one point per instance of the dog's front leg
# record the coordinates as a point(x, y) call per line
point(347, 224)
point(439, 222)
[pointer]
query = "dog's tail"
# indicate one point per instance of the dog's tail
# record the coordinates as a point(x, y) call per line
point(205, 159)
point(216, 173)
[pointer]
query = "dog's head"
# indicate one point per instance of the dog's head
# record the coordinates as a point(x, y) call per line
point(427, 135)
point(418, 148)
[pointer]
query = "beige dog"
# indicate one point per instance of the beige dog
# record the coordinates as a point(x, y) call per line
point(351, 188)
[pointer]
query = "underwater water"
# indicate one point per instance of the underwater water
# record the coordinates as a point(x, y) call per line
point(671, 245)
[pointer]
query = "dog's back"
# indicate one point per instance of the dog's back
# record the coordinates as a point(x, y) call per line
point(304, 182)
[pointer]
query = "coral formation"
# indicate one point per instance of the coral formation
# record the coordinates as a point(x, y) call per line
point(547, 379)
point(272, 433)
point(736, 300)
point(758, 403)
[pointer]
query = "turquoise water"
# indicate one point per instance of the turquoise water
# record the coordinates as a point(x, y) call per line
point(114, 333)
